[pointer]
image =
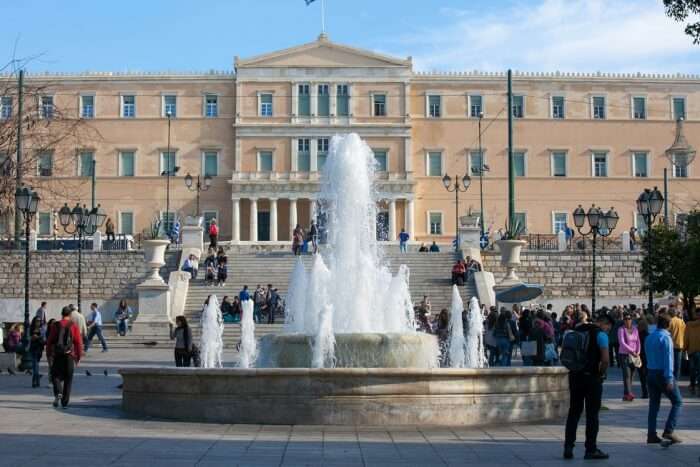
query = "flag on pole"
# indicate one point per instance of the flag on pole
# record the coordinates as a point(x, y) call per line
point(309, 2)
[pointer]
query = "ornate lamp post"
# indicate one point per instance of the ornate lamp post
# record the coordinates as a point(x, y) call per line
point(169, 171)
point(82, 221)
point(649, 206)
point(600, 224)
point(680, 154)
point(457, 189)
point(201, 185)
point(27, 202)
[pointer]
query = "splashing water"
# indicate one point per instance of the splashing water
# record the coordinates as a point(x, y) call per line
point(296, 299)
point(457, 349)
point(248, 348)
point(475, 336)
point(212, 339)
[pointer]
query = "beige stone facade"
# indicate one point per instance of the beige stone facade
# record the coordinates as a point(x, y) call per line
point(262, 132)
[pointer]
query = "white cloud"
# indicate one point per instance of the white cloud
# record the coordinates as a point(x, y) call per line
point(547, 35)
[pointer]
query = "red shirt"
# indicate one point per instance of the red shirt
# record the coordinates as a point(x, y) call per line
point(77, 352)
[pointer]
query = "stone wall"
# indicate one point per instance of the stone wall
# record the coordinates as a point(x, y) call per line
point(568, 274)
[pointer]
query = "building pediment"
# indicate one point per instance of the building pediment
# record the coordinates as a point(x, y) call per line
point(322, 53)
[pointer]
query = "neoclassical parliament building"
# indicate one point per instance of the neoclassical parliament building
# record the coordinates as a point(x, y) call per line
point(261, 133)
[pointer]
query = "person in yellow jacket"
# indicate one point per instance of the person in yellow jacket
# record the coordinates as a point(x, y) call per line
point(691, 341)
point(677, 331)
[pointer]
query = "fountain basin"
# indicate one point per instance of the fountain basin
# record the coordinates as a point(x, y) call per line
point(347, 396)
point(352, 350)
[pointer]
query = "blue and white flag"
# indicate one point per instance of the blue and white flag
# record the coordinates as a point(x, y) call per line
point(309, 2)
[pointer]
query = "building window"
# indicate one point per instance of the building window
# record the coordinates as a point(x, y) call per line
point(434, 104)
point(5, 107)
point(382, 162)
point(476, 106)
point(265, 161)
point(598, 103)
point(435, 221)
point(266, 104)
point(303, 155)
point(342, 100)
point(558, 107)
point(639, 108)
point(170, 105)
point(47, 108)
point(45, 224)
point(679, 108)
point(211, 163)
point(521, 218)
point(87, 106)
point(600, 164)
point(476, 162)
point(127, 164)
point(640, 162)
point(559, 164)
point(518, 106)
point(323, 101)
point(167, 220)
point(45, 164)
point(85, 166)
point(321, 152)
point(126, 223)
point(680, 166)
point(519, 163)
point(304, 101)
point(167, 163)
point(128, 106)
point(211, 105)
point(434, 166)
point(559, 222)
point(379, 105)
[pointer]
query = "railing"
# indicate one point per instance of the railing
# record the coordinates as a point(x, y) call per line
point(546, 242)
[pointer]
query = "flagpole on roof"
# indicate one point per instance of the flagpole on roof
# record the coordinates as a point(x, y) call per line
point(323, 16)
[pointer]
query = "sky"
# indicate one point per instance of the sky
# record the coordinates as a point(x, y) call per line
point(440, 35)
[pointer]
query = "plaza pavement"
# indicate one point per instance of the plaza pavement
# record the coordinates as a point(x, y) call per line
point(94, 431)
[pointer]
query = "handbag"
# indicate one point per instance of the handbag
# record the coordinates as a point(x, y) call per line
point(528, 348)
point(635, 360)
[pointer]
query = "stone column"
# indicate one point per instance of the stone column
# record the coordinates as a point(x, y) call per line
point(253, 220)
point(292, 215)
point(313, 155)
point(408, 163)
point(332, 88)
point(273, 219)
point(295, 151)
point(409, 216)
point(236, 220)
point(313, 100)
point(392, 220)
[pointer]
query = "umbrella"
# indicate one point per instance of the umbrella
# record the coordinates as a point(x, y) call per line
point(520, 293)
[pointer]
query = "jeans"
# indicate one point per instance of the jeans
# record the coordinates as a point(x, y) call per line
point(503, 351)
point(694, 368)
point(677, 353)
point(643, 380)
point(584, 389)
point(257, 313)
point(627, 372)
point(95, 330)
point(62, 377)
point(657, 387)
point(182, 358)
point(493, 355)
point(402, 247)
point(122, 326)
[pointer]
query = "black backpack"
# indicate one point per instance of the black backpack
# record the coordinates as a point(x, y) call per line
point(574, 350)
point(64, 343)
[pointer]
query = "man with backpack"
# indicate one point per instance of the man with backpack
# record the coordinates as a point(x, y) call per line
point(213, 234)
point(64, 349)
point(585, 353)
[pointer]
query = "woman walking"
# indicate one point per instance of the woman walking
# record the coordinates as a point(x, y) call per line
point(36, 347)
point(182, 334)
point(628, 353)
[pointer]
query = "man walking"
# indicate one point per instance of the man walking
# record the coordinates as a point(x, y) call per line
point(79, 320)
point(63, 350)
point(585, 354)
point(41, 313)
point(403, 240)
point(660, 380)
point(95, 328)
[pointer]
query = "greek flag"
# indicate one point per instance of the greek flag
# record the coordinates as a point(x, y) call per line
point(175, 231)
point(309, 2)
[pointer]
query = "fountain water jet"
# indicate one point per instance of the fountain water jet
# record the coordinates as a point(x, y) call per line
point(212, 338)
point(248, 343)
point(475, 356)
point(458, 343)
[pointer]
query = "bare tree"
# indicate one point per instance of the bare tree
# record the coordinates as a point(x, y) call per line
point(682, 10)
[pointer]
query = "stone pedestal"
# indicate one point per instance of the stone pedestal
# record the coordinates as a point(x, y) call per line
point(626, 241)
point(97, 241)
point(510, 258)
point(561, 241)
point(154, 302)
point(469, 237)
point(32, 241)
point(193, 237)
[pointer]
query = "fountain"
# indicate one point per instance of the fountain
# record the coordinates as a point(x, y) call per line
point(212, 339)
point(248, 348)
point(350, 352)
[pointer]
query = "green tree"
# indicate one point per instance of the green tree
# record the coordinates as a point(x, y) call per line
point(674, 261)
point(681, 10)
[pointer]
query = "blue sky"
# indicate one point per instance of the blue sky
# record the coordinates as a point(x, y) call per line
point(533, 35)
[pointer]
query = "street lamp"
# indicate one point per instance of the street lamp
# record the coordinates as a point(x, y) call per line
point(168, 172)
point(201, 185)
point(482, 168)
point(27, 201)
point(82, 221)
point(680, 154)
point(457, 188)
point(600, 224)
point(649, 206)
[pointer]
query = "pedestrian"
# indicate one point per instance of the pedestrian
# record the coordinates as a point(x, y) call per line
point(633, 238)
point(122, 316)
point(79, 320)
point(14, 338)
point(434, 248)
point(661, 380)
point(182, 334)
point(423, 248)
point(236, 309)
point(271, 297)
point(504, 335)
point(64, 349)
point(109, 229)
point(629, 354)
point(313, 236)
point(643, 328)
point(190, 265)
point(244, 295)
point(94, 326)
point(213, 234)
point(442, 330)
point(490, 339)
point(226, 310)
point(36, 346)
point(403, 240)
point(676, 328)
point(585, 354)
point(691, 344)
point(42, 313)
point(258, 303)
point(297, 240)
point(221, 269)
